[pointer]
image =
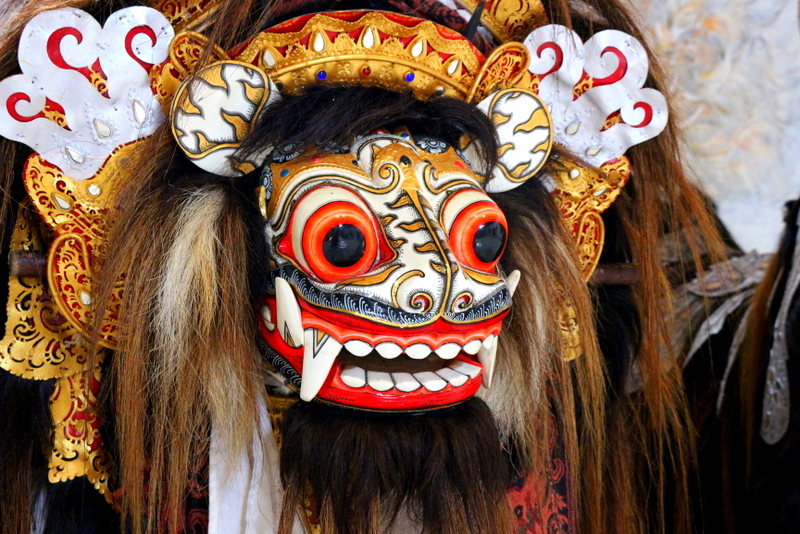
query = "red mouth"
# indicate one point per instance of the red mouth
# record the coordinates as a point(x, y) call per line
point(361, 364)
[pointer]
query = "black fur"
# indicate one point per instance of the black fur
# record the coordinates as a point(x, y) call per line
point(338, 114)
point(438, 465)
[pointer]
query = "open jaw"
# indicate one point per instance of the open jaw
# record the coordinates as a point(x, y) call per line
point(378, 368)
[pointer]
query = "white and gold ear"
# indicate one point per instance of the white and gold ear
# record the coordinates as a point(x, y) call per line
point(214, 111)
point(525, 132)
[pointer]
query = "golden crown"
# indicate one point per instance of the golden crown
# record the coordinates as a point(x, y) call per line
point(367, 48)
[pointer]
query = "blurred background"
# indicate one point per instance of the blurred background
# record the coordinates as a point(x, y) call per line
point(734, 68)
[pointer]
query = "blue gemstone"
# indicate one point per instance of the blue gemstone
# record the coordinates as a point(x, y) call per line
point(321, 75)
point(284, 173)
point(410, 77)
point(404, 135)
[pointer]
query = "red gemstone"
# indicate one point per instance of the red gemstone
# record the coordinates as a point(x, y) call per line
point(366, 71)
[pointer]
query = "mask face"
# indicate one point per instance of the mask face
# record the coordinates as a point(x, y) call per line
point(387, 294)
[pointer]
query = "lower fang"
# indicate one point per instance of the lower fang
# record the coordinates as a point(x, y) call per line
point(266, 314)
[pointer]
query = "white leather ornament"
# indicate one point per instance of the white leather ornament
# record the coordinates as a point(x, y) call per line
point(57, 51)
point(214, 111)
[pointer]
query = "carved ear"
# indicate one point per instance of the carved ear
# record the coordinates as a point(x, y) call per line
point(214, 111)
point(525, 131)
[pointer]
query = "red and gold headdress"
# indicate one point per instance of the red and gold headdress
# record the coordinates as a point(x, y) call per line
point(543, 86)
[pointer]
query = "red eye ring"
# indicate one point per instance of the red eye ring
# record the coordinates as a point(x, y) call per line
point(465, 228)
point(326, 218)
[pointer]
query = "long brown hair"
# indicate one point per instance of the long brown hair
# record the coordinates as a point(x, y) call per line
point(648, 454)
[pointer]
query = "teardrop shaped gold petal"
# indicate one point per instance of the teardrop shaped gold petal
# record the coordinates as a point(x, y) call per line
point(62, 202)
point(572, 129)
point(453, 67)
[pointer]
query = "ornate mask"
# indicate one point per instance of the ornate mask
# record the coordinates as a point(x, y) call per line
point(387, 290)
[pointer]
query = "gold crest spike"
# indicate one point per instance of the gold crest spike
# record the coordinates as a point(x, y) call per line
point(510, 20)
point(188, 14)
point(503, 69)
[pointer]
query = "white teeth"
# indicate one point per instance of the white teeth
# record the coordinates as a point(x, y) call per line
point(358, 348)
point(290, 320)
point(487, 358)
point(473, 346)
point(512, 281)
point(388, 350)
point(318, 356)
point(456, 375)
point(418, 351)
point(354, 377)
point(266, 313)
point(379, 381)
point(490, 342)
point(431, 381)
point(465, 368)
point(456, 379)
point(405, 382)
point(448, 351)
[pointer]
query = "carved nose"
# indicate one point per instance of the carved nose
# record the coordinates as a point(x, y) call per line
point(414, 295)
point(426, 283)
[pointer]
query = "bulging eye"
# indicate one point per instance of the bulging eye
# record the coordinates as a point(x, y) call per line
point(344, 245)
point(477, 229)
point(334, 235)
point(339, 241)
point(489, 241)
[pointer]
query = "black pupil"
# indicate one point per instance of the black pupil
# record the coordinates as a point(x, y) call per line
point(489, 241)
point(344, 245)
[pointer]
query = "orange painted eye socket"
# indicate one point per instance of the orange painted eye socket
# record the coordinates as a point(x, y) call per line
point(339, 242)
point(333, 235)
point(477, 230)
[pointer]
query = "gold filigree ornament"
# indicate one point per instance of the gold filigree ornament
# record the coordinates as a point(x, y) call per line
point(85, 143)
point(41, 344)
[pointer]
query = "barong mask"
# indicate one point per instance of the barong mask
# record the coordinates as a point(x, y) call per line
point(384, 288)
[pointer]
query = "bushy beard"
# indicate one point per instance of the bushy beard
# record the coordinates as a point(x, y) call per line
point(445, 469)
